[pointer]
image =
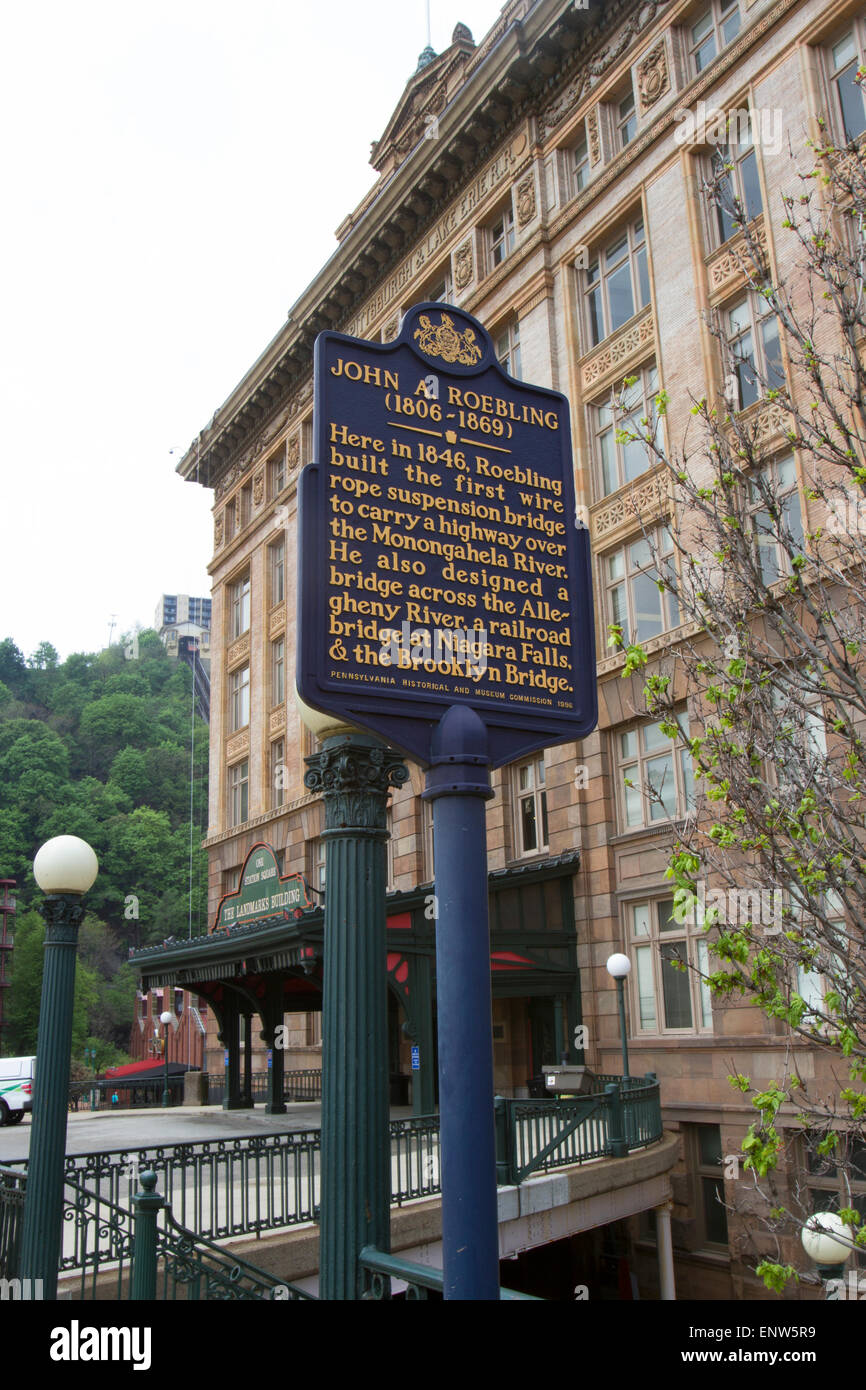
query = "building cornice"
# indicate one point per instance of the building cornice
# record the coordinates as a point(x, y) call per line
point(504, 82)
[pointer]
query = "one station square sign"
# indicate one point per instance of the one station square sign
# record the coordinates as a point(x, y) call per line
point(440, 562)
point(262, 897)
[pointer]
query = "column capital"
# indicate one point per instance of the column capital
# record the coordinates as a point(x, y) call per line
point(353, 773)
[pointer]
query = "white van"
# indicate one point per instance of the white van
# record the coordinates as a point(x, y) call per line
point(16, 1088)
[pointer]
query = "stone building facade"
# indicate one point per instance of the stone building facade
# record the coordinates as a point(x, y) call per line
point(540, 180)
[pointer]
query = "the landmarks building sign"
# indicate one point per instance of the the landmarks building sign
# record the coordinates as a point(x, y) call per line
point(262, 897)
point(440, 562)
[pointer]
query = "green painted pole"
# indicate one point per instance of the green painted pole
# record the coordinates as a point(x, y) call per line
point(43, 1207)
point(147, 1205)
point(353, 772)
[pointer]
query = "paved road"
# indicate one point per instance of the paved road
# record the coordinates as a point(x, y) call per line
point(133, 1129)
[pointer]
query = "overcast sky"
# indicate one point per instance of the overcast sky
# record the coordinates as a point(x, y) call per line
point(172, 175)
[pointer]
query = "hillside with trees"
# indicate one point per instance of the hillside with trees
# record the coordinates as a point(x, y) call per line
point(99, 746)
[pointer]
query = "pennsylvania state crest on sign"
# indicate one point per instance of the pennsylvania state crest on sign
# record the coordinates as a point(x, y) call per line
point(445, 341)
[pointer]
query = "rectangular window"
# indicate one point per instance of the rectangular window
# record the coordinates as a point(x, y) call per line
point(716, 26)
point(278, 772)
point(277, 554)
point(634, 601)
point(734, 171)
point(617, 283)
point(530, 799)
point(239, 793)
point(277, 472)
point(246, 505)
point(316, 860)
point(775, 486)
point(508, 349)
point(620, 462)
point(501, 237)
point(844, 60)
point(655, 776)
point(666, 998)
point(626, 120)
point(579, 167)
point(754, 353)
point(278, 671)
point(239, 698)
point(239, 607)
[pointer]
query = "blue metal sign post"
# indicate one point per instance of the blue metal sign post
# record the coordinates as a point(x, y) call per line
point(446, 605)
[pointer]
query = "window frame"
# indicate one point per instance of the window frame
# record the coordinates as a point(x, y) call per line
point(784, 492)
point(239, 792)
point(650, 1006)
point(276, 760)
point(508, 356)
point(763, 362)
point(736, 157)
point(669, 610)
point(239, 606)
point(277, 471)
point(536, 794)
point(501, 246)
point(278, 671)
point(856, 31)
point(598, 315)
point(825, 1174)
point(578, 169)
point(720, 15)
point(239, 697)
point(634, 765)
point(277, 570)
point(600, 429)
point(624, 121)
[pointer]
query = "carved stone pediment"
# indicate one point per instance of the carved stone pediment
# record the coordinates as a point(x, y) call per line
point(422, 102)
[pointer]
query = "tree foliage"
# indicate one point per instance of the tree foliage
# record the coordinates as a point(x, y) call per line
point(99, 746)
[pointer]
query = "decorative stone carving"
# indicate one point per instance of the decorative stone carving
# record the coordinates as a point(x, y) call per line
point(277, 719)
point(616, 353)
point(391, 330)
point(239, 649)
point(239, 744)
point(218, 531)
point(562, 105)
point(293, 452)
point(525, 200)
point(277, 619)
point(463, 267)
point(593, 136)
point(733, 265)
point(653, 79)
point(641, 500)
point(258, 489)
point(773, 422)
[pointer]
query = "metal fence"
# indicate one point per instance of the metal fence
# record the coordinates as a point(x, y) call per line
point(223, 1188)
point(297, 1085)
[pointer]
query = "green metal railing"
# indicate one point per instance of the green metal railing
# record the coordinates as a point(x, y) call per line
point(297, 1085)
point(380, 1269)
point(218, 1189)
point(538, 1135)
point(12, 1189)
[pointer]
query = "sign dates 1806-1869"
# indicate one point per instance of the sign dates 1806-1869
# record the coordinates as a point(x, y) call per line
point(440, 561)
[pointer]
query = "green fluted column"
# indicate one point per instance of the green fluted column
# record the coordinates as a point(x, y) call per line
point(43, 1208)
point(353, 773)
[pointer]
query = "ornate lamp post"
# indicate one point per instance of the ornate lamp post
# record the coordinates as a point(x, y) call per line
point(827, 1240)
point(65, 868)
point(618, 967)
point(165, 1018)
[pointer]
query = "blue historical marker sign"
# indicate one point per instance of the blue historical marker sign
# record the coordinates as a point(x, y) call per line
point(440, 562)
